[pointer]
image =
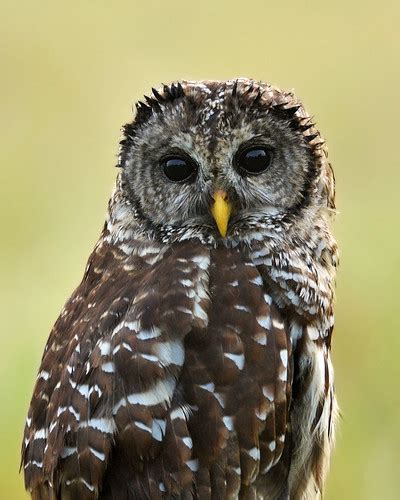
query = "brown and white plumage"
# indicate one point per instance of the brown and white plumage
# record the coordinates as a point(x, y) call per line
point(186, 365)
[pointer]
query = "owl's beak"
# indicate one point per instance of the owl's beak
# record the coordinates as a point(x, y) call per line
point(221, 210)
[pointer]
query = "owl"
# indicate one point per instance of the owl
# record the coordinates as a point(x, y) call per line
point(193, 360)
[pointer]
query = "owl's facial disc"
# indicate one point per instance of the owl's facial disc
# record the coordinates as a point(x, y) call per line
point(221, 159)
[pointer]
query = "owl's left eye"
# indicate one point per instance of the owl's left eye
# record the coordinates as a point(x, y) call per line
point(179, 168)
point(253, 160)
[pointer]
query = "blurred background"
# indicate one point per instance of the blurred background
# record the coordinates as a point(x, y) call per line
point(70, 72)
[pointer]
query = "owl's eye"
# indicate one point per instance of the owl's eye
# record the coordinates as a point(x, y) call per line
point(253, 160)
point(179, 168)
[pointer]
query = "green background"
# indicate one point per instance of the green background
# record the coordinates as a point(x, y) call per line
point(69, 73)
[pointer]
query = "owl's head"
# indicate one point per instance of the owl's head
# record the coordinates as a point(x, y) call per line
point(225, 160)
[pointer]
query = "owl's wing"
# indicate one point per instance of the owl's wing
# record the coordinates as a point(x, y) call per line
point(110, 366)
point(304, 287)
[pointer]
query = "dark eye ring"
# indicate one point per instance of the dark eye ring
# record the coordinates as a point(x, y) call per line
point(179, 168)
point(253, 160)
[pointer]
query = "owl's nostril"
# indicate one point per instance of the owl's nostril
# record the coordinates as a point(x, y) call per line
point(220, 194)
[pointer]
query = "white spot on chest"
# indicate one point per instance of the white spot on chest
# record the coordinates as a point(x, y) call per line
point(238, 359)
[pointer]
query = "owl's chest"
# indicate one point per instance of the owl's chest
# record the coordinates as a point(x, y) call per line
point(237, 370)
point(245, 336)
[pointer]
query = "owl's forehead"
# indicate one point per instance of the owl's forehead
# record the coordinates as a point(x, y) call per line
point(212, 118)
point(218, 103)
point(213, 114)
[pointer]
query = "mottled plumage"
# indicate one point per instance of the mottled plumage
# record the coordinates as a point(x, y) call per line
point(187, 364)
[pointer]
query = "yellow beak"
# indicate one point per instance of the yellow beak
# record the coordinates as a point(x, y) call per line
point(221, 211)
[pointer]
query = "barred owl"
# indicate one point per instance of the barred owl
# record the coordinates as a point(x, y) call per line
point(193, 360)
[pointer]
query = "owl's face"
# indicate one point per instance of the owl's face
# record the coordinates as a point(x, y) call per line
point(219, 157)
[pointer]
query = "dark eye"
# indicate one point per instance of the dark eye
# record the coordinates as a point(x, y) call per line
point(179, 168)
point(253, 160)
